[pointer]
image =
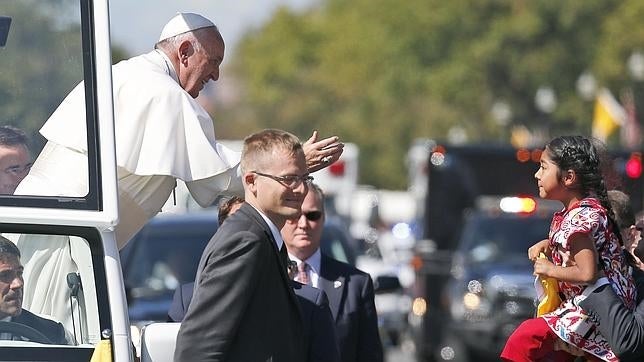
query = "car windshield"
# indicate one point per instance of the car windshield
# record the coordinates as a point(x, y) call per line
point(487, 239)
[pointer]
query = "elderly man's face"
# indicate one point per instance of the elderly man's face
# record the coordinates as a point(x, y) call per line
point(203, 65)
point(302, 234)
point(11, 284)
point(15, 163)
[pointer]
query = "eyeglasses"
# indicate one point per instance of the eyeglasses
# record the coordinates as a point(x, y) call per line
point(290, 181)
point(313, 215)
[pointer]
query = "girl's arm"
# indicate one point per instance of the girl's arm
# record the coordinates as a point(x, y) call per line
point(583, 269)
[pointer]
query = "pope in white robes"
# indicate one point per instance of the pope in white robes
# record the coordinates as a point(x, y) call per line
point(162, 134)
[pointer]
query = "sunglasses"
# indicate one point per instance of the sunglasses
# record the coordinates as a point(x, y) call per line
point(313, 215)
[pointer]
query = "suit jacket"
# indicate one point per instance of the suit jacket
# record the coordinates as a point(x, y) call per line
point(243, 307)
point(622, 328)
point(52, 330)
point(351, 298)
point(318, 326)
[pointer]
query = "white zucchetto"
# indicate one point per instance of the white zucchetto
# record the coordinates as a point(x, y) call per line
point(182, 23)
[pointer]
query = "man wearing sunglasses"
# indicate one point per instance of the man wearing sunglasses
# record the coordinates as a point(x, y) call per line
point(350, 291)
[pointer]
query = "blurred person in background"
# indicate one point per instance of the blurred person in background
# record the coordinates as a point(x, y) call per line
point(350, 290)
point(15, 158)
point(227, 207)
point(625, 219)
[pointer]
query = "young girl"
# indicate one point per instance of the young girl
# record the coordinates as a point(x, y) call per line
point(583, 241)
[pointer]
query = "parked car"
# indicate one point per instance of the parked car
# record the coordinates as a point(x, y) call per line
point(166, 252)
point(160, 257)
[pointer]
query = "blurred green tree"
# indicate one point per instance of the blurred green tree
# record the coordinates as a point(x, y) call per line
point(383, 72)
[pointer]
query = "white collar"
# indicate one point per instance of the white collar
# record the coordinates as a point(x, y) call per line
point(314, 261)
point(276, 233)
point(169, 68)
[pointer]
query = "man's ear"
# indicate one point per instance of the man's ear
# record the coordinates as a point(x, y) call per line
point(184, 51)
point(249, 181)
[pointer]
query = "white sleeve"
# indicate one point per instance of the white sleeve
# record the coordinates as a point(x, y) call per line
point(205, 191)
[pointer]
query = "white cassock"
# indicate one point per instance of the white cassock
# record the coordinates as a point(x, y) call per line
point(162, 134)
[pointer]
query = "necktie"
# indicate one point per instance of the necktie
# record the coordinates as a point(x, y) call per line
point(284, 259)
point(302, 273)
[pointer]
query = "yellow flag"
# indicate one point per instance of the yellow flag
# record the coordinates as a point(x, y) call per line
point(608, 115)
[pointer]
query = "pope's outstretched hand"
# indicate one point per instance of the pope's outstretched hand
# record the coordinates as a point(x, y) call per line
point(321, 153)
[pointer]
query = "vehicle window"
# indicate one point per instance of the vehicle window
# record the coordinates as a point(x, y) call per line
point(160, 259)
point(335, 243)
point(45, 57)
point(42, 322)
point(488, 239)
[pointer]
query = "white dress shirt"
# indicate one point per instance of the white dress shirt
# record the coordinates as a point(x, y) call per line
point(314, 261)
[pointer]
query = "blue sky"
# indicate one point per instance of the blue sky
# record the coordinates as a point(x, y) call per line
point(136, 25)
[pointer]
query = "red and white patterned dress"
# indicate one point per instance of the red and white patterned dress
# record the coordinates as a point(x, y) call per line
point(569, 321)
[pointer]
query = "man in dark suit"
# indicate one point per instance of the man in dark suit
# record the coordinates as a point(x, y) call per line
point(243, 307)
point(314, 305)
point(11, 289)
point(318, 325)
point(350, 291)
point(623, 328)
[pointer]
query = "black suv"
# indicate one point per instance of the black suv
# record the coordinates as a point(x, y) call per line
point(490, 286)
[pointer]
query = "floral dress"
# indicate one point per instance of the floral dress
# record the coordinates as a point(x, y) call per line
point(569, 321)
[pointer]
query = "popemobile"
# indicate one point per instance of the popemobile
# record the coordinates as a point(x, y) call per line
point(46, 49)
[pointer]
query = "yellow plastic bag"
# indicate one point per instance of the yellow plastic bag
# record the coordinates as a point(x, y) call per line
point(547, 293)
point(102, 351)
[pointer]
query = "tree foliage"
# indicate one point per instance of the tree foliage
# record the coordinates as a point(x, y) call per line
point(383, 72)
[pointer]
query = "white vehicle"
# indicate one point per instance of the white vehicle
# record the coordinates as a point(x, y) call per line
point(46, 48)
point(340, 180)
